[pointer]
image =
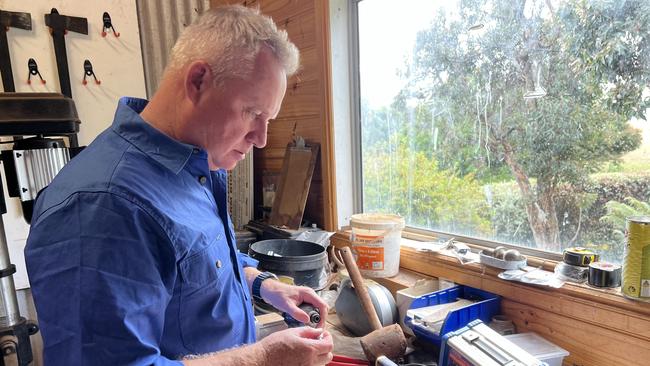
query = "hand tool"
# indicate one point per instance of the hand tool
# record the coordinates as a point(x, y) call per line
point(339, 360)
point(16, 20)
point(578, 256)
point(387, 341)
point(350, 312)
point(59, 27)
point(312, 312)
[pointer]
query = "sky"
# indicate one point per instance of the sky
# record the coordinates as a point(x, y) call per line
point(386, 36)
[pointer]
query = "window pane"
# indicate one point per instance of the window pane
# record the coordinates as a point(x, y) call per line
point(516, 121)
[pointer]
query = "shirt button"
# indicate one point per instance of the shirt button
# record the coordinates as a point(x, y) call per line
point(203, 179)
point(195, 150)
point(218, 263)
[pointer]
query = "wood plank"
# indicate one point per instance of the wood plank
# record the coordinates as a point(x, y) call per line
point(282, 131)
point(301, 28)
point(328, 167)
point(277, 9)
point(302, 99)
point(295, 180)
point(588, 344)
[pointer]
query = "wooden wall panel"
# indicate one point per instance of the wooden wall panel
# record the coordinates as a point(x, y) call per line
point(307, 103)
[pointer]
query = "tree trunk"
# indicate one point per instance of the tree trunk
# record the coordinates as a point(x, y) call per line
point(540, 207)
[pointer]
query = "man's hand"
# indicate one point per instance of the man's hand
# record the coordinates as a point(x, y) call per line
point(298, 346)
point(302, 346)
point(286, 298)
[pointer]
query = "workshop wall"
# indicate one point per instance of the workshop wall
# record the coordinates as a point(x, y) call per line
point(306, 106)
point(116, 61)
point(161, 22)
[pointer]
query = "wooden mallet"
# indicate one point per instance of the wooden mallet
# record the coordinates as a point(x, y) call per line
point(386, 341)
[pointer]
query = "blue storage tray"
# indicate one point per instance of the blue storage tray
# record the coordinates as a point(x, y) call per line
point(485, 308)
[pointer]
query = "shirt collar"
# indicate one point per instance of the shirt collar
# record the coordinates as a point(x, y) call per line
point(170, 153)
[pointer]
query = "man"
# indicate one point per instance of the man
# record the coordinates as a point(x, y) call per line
point(131, 254)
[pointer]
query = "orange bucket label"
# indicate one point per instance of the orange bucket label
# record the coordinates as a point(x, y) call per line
point(370, 258)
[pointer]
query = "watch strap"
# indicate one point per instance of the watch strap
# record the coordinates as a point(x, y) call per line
point(257, 284)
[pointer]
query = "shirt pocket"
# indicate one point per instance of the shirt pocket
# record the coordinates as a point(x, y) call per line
point(200, 269)
point(201, 309)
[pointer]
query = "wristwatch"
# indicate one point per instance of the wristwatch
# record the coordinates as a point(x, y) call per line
point(257, 284)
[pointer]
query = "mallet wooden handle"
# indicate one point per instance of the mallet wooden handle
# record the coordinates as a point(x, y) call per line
point(360, 288)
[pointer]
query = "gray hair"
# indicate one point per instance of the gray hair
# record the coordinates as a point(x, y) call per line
point(228, 38)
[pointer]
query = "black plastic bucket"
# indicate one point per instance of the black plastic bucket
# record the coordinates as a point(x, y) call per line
point(304, 261)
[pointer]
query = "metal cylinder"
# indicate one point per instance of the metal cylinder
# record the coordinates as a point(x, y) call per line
point(636, 260)
point(9, 313)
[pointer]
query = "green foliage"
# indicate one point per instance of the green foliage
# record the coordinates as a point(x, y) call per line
point(509, 221)
point(594, 212)
point(426, 196)
point(463, 110)
point(474, 85)
point(617, 212)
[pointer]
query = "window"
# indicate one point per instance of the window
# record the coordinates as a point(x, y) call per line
point(511, 121)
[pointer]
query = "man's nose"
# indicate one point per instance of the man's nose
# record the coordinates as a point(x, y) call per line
point(258, 135)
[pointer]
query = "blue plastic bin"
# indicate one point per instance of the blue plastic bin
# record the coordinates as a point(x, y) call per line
point(485, 308)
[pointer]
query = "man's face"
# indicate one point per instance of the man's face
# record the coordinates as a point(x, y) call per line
point(234, 118)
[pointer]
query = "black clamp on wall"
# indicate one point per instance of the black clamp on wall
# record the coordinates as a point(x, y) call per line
point(88, 71)
point(33, 71)
point(108, 24)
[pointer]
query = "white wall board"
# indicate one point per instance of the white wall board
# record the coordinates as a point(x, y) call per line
point(117, 62)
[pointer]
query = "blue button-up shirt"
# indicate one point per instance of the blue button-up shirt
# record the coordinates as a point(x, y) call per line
point(131, 253)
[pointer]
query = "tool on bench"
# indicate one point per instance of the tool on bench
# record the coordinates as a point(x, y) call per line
point(350, 312)
point(312, 312)
point(387, 341)
point(339, 360)
point(9, 19)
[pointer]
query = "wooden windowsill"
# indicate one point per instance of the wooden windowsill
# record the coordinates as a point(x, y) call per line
point(475, 274)
point(481, 276)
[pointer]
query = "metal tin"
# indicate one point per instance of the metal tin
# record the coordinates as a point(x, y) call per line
point(636, 260)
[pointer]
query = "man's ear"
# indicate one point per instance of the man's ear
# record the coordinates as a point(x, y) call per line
point(198, 79)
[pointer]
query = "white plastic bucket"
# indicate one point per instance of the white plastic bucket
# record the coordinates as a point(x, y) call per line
point(375, 240)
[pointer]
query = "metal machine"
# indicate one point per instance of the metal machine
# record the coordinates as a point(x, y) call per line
point(33, 119)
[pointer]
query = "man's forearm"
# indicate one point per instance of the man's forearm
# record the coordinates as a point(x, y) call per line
point(250, 355)
point(251, 273)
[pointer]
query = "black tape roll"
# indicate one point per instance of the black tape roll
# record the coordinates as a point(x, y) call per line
point(603, 274)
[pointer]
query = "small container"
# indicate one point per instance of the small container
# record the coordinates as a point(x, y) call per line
point(636, 259)
point(491, 261)
point(539, 347)
point(485, 306)
point(375, 240)
point(405, 297)
point(502, 325)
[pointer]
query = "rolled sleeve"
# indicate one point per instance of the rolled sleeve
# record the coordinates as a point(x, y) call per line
point(246, 261)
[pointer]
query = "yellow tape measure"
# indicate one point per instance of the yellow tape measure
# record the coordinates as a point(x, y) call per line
point(579, 256)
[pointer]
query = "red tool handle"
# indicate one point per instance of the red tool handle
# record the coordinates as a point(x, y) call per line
point(346, 361)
